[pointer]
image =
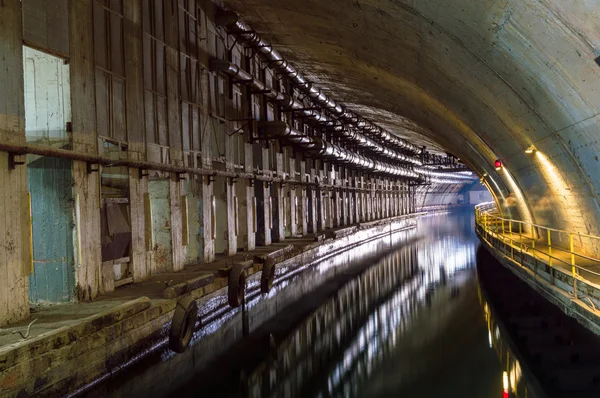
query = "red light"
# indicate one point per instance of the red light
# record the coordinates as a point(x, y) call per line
point(498, 164)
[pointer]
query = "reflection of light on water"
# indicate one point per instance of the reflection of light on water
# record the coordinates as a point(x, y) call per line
point(512, 378)
point(515, 375)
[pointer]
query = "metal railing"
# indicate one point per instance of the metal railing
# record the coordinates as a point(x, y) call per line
point(556, 246)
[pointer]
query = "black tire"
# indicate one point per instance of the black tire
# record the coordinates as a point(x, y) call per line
point(267, 275)
point(237, 286)
point(183, 324)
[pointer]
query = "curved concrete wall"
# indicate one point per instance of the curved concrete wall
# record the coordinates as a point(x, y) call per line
point(481, 79)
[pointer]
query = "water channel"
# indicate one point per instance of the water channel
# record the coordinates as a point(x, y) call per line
point(404, 315)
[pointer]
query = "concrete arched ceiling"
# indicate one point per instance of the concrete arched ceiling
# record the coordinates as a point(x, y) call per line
point(482, 79)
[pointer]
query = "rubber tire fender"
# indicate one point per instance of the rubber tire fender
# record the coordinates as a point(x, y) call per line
point(183, 324)
point(237, 286)
point(267, 275)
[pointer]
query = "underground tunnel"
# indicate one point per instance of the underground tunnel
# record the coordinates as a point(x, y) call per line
point(279, 198)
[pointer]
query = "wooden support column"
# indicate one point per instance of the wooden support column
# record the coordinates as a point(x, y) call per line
point(86, 185)
point(292, 213)
point(208, 222)
point(14, 214)
point(138, 187)
point(246, 208)
point(277, 203)
point(262, 191)
point(177, 226)
point(303, 200)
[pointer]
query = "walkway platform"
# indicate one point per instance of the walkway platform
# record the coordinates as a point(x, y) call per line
point(116, 327)
point(211, 276)
point(518, 244)
point(549, 271)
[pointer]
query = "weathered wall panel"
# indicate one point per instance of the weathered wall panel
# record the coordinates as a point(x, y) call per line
point(46, 25)
point(50, 183)
point(14, 217)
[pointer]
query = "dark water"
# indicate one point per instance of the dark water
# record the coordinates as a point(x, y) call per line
point(406, 316)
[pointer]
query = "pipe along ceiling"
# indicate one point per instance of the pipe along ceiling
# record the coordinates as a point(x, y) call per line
point(482, 80)
point(346, 124)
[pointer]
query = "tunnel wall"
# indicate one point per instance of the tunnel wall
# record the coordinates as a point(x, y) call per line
point(482, 80)
point(148, 111)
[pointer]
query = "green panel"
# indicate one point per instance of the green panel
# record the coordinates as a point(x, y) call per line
point(51, 187)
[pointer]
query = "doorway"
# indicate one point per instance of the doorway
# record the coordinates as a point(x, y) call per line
point(50, 180)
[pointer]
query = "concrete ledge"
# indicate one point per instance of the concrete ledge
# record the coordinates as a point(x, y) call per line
point(185, 287)
point(12, 354)
point(75, 355)
point(274, 254)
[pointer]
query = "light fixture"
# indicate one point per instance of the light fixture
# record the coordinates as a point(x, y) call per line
point(498, 164)
point(530, 149)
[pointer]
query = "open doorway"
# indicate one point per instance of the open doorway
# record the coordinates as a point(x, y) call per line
point(50, 180)
point(47, 99)
point(115, 220)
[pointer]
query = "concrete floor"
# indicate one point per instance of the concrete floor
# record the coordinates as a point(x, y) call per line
point(54, 316)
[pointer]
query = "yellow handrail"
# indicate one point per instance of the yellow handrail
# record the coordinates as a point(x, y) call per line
point(487, 218)
point(543, 227)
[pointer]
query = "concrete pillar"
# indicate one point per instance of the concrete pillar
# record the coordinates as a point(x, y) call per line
point(277, 203)
point(193, 219)
point(223, 215)
point(139, 214)
point(345, 209)
point(208, 222)
point(246, 205)
point(262, 192)
point(363, 199)
point(177, 223)
point(159, 191)
point(278, 214)
point(292, 205)
point(303, 200)
point(243, 215)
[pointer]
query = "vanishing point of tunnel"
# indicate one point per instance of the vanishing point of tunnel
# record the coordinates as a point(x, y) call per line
point(277, 198)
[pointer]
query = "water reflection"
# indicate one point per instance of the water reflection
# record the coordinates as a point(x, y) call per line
point(400, 316)
point(412, 313)
point(514, 383)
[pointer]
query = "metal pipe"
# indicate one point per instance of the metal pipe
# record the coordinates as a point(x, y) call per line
point(24, 148)
point(288, 102)
point(332, 152)
point(275, 60)
point(349, 133)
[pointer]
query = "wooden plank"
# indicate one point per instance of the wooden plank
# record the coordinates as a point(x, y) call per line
point(13, 253)
point(176, 226)
point(123, 282)
point(5, 267)
point(173, 107)
point(132, 31)
point(83, 99)
point(138, 189)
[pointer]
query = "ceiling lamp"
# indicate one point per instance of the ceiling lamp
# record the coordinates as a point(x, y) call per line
point(530, 149)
